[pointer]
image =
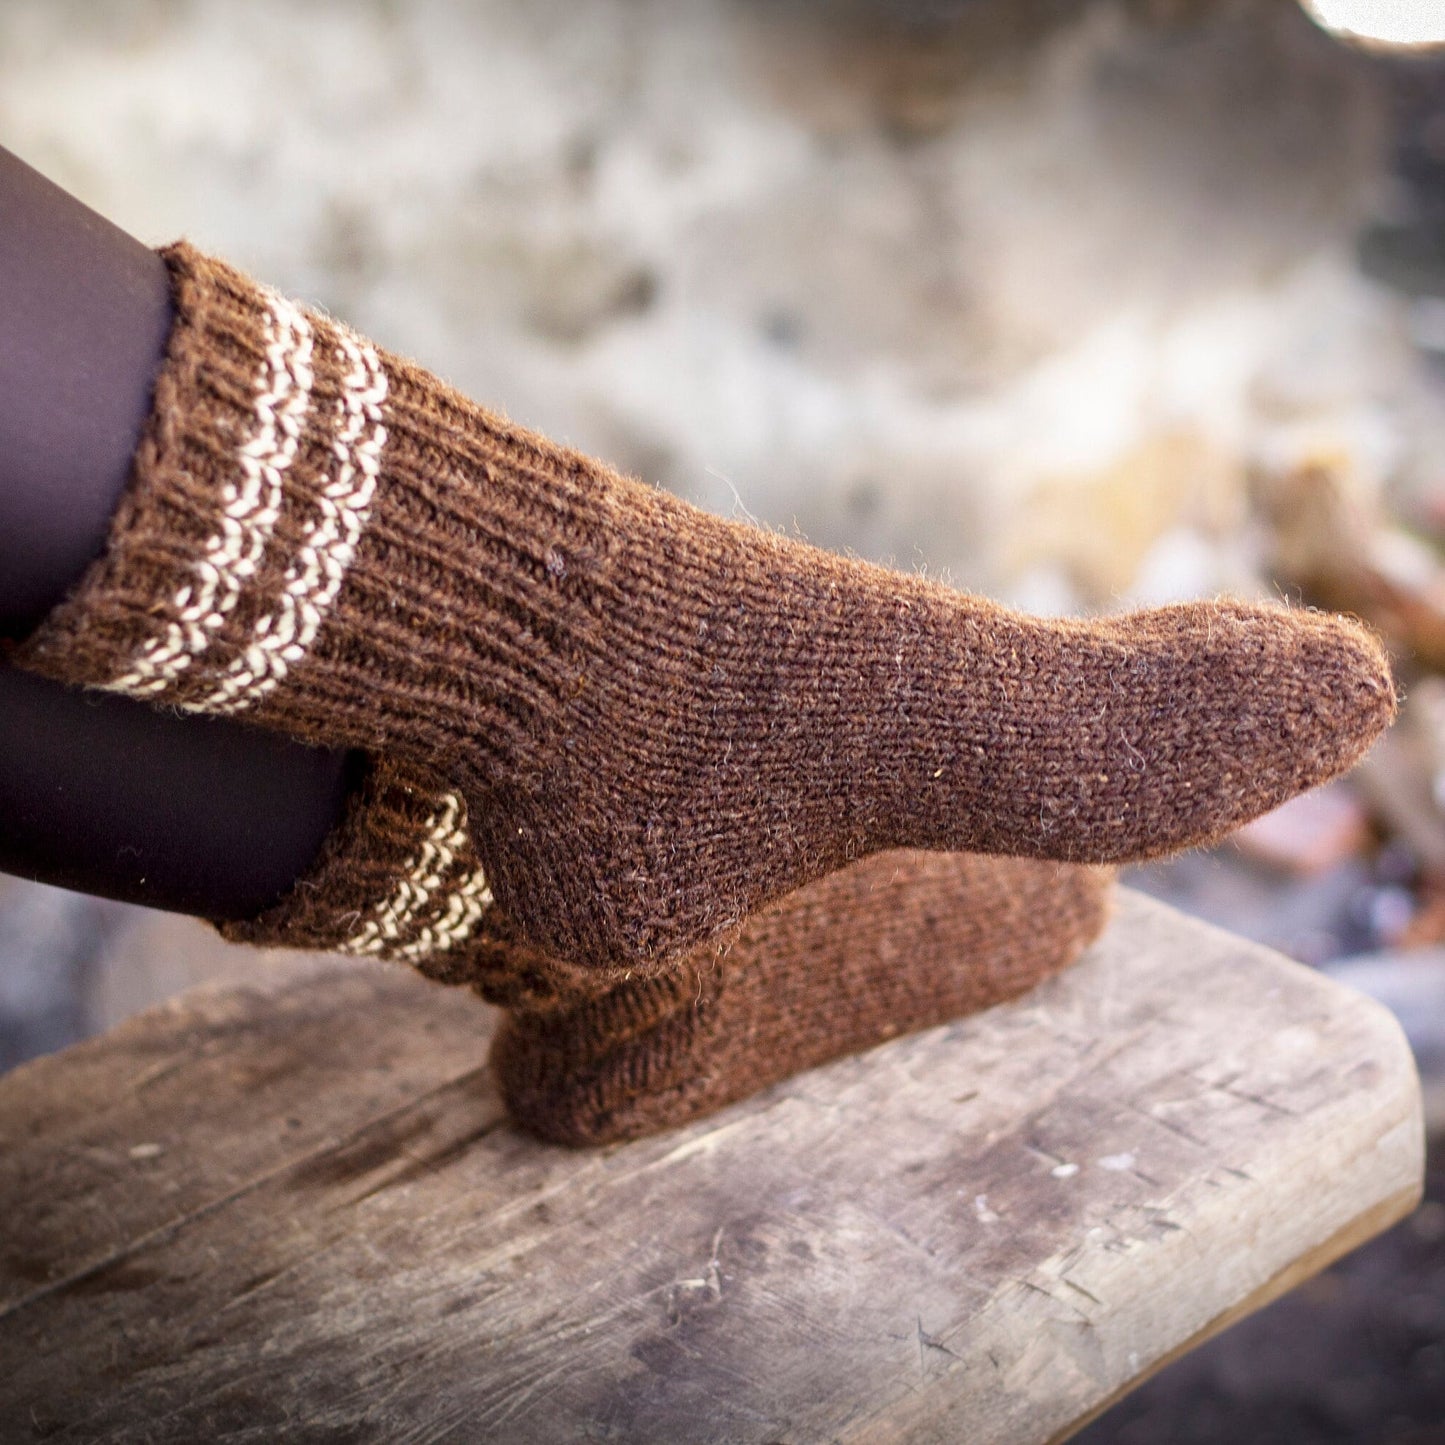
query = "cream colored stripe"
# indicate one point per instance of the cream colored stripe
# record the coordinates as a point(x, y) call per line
point(250, 507)
point(464, 909)
point(314, 579)
point(424, 877)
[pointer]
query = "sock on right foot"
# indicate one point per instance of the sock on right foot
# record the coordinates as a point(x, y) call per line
point(657, 720)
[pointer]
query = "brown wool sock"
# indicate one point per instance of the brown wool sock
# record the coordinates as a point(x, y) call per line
point(587, 1055)
point(898, 942)
point(658, 721)
point(399, 879)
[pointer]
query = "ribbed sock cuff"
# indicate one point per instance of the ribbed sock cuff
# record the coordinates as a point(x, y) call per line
point(250, 489)
point(398, 879)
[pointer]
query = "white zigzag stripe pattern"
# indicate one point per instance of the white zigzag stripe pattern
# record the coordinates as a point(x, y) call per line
point(314, 579)
point(446, 834)
point(464, 908)
point(250, 509)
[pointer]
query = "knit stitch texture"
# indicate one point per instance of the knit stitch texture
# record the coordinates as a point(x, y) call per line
point(897, 942)
point(657, 721)
point(399, 879)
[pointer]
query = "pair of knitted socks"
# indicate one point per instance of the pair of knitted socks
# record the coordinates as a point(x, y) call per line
point(639, 730)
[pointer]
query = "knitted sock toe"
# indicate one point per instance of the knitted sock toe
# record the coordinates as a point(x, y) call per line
point(898, 942)
point(657, 720)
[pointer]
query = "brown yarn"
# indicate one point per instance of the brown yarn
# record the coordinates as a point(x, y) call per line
point(379, 854)
point(898, 942)
point(657, 721)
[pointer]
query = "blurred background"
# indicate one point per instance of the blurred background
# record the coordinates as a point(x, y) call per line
point(1081, 303)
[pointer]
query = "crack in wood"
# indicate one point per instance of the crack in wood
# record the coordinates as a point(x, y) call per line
point(163, 1234)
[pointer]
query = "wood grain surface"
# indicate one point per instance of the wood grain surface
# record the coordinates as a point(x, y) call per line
point(295, 1210)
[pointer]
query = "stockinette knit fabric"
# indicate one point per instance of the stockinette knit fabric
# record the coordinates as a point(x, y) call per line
point(658, 721)
point(897, 942)
point(589, 1055)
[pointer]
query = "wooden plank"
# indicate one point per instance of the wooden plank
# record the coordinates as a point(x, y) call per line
point(983, 1233)
point(133, 1133)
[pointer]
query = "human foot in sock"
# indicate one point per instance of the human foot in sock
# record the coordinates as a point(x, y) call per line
point(658, 720)
point(897, 942)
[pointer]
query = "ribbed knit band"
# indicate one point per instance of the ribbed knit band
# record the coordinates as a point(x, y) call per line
point(239, 539)
point(399, 879)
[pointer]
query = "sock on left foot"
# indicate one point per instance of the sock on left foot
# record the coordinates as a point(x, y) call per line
point(590, 1054)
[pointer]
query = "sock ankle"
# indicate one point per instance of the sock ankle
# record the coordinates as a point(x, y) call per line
point(399, 880)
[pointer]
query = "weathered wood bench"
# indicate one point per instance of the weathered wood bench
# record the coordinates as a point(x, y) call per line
point(295, 1210)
